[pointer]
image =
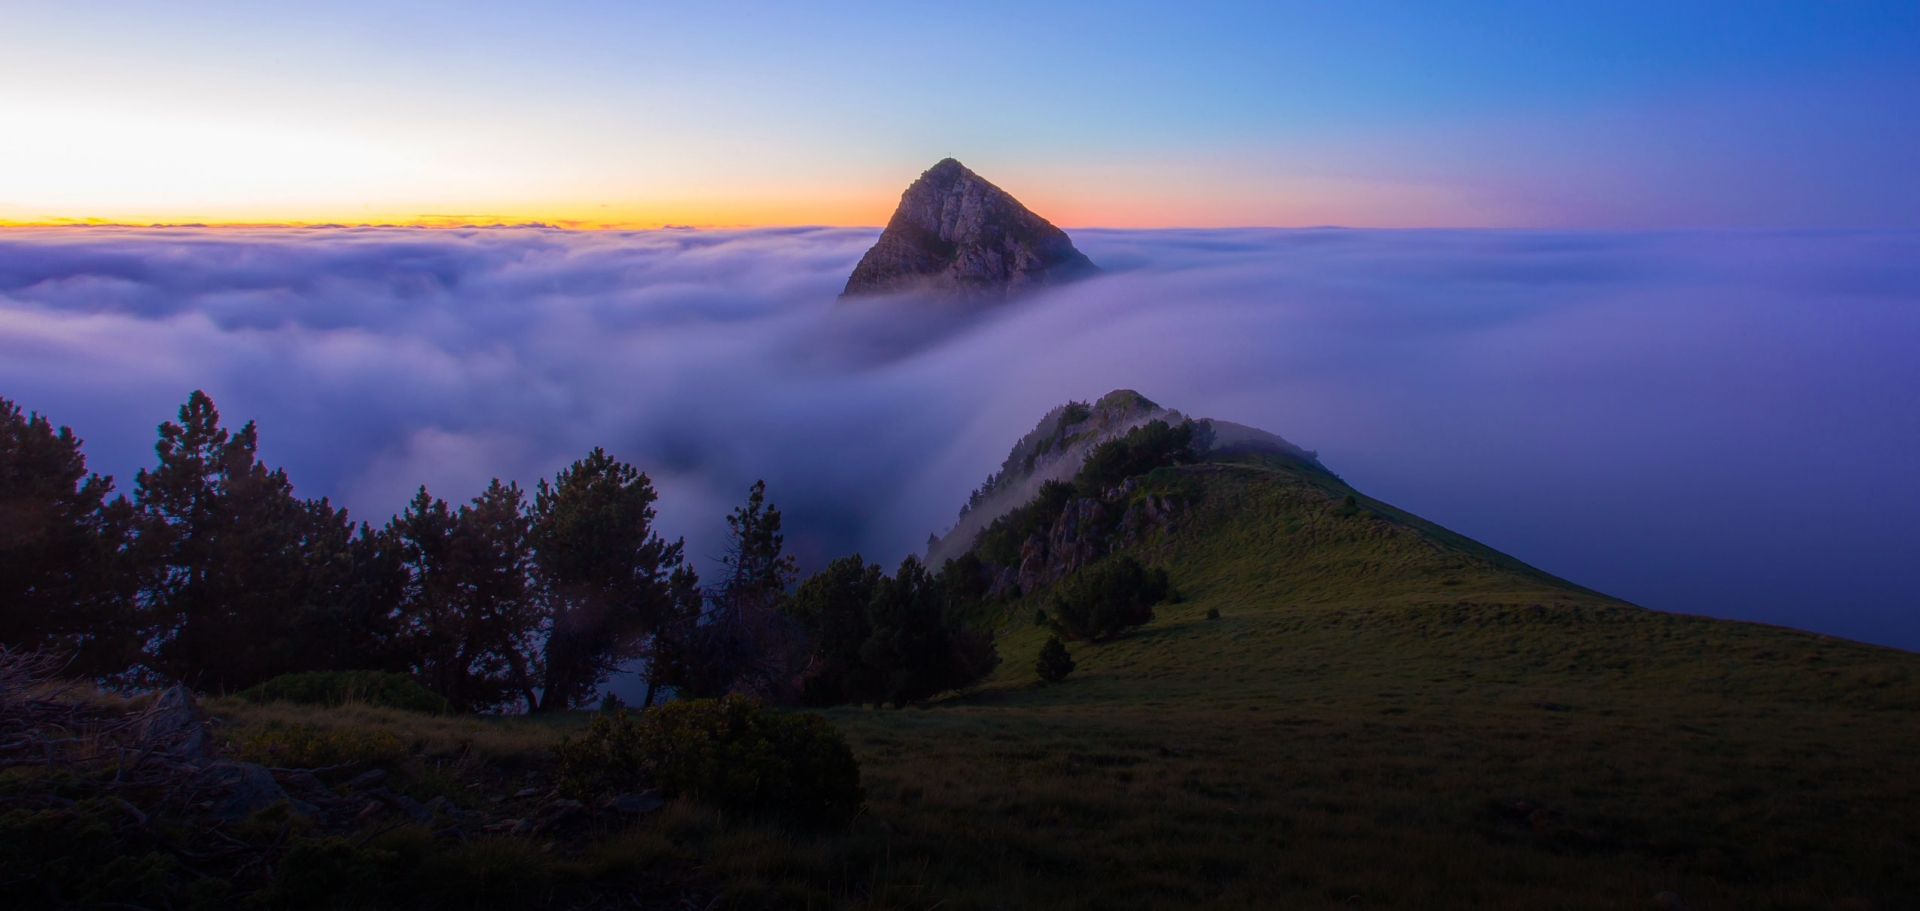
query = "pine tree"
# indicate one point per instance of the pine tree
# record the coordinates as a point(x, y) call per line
point(242, 571)
point(468, 620)
point(65, 578)
point(746, 642)
point(1054, 664)
point(899, 640)
point(603, 572)
point(754, 560)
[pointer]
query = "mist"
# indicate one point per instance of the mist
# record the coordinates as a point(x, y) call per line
point(1717, 423)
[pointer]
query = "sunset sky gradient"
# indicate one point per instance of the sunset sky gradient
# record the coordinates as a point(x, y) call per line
point(1113, 114)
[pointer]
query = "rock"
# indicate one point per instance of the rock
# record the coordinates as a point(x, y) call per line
point(561, 808)
point(1075, 540)
point(175, 724)
point(401, 802)
point(557, 812)
point(638, 804)
point(310, 795)
point(369, 811)
point(302, 808)
point(526, 792)
point(506, 825)
point(365, 780)
point(441, 804)
point(956, 235)
point(241, 788)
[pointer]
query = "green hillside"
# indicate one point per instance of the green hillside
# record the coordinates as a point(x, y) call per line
point(1339, 705)
point(1386, 714)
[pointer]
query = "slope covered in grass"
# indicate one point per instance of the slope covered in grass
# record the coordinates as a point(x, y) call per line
point(1386, 714)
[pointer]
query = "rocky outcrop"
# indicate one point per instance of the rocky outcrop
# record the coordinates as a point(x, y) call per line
point(956, 235)
point(1052, 451)
point(175, 725)
point(1087, 530)
point(1057, 447)
point(240, 789)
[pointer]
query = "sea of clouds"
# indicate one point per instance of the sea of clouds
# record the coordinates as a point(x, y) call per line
point(1720, 423)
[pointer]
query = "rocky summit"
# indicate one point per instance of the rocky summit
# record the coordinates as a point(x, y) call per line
point(956, 235)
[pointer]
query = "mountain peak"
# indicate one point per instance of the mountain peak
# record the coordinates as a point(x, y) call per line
point(957, 235)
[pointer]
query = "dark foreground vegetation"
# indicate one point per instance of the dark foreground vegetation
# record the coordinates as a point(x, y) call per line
point(1210, 680)
point(215, 574)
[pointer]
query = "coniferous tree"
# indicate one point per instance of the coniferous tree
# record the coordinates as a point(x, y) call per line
point(832, 606)
point(1054, 664)
point(468, 622)
point(65, 578)
point(672, 649)
point(240, 569)
point(604, 573)
point(745, 643)
point(879, 639)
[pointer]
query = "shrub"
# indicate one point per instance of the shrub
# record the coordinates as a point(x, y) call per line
point(340, 687)
point(1100, 601)
point(731, 753)
point(1055, 664)
point(1074, 413)
point(306, 746)
point(1154, 444)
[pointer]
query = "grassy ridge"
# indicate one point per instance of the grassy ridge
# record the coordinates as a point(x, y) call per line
point(1389, 715)
point(1385, 715)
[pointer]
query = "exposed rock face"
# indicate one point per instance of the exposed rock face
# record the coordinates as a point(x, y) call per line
point(1055, 449)
point(175, 724)
point(1087, 530)
point(1052, 451)
point(956, 235)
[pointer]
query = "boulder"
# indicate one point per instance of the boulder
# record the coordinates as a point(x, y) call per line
point(401, 802)
point(176, 724)
point(240, 789)
point(365, 780)
point(638, 804)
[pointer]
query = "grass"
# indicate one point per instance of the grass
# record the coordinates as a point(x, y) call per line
point(507, 739)
point(1384, 715)
point(1388, 715)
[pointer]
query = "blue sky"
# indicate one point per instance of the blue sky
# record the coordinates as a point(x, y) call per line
point(1130, 114)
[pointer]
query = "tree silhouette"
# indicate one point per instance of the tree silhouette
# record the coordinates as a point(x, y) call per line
point(603, 572)
point(65, 577)
point(241, 569)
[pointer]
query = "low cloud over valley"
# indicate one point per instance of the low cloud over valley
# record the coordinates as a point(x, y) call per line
point(1652, 415)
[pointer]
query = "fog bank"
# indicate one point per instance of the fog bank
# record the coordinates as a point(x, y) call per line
point(1721, 423)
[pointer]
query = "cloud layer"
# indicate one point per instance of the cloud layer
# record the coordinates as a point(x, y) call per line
point(1708, 422)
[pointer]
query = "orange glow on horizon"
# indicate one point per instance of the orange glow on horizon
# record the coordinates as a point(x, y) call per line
point(1082, 198)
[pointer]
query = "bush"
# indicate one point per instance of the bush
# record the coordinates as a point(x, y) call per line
point(731, 753)
point(340, 687)
point(1055, 664)
point(1106, 598)
point(1152, 445)
point(306, 746)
